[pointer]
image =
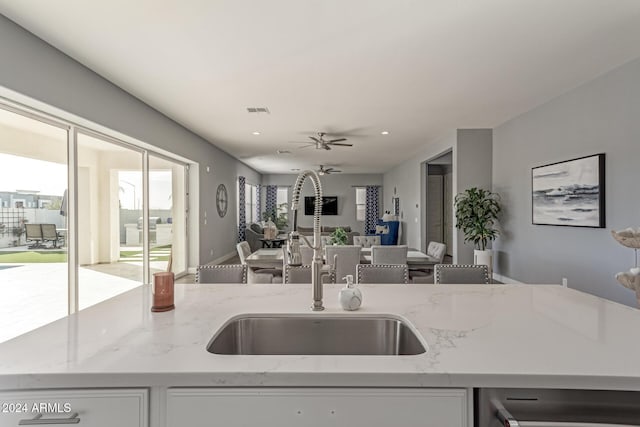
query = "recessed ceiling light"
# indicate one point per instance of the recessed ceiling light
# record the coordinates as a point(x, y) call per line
point(256, 133)
point(384, 132)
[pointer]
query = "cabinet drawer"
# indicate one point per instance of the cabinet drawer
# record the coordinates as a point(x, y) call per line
point(94, 407)
point(321, 407)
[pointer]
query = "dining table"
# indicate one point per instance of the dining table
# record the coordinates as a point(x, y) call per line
point(273, 258)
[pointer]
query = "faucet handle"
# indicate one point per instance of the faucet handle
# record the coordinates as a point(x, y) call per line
point(293, 249)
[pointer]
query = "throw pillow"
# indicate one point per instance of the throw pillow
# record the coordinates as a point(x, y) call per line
point(382, 229)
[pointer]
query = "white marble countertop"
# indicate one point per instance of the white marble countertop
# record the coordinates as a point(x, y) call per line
point(485, 335)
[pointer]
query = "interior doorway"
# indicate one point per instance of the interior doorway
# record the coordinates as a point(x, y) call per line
point(439, 201)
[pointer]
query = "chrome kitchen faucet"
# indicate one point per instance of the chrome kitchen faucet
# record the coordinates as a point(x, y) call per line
point(293, 245)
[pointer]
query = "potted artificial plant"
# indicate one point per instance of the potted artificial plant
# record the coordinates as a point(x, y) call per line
point(476, 214)
point(338, 237)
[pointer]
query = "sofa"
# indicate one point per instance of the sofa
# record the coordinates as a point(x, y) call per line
point(327, 230)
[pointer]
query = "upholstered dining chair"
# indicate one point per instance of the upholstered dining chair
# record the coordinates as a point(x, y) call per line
point(257, 275)
point(344, 259)
point(389, 254)
point(366, 241)
point(297, 274)
point(461, 274)
point(435, 255)
point(382, 273)
point(436, 252)
point(223, 273)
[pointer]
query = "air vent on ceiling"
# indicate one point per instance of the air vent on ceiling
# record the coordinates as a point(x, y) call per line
point(283, 151)
point(258, 110)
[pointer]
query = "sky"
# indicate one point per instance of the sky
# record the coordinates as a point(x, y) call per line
point(50, 178)
point(21, 173)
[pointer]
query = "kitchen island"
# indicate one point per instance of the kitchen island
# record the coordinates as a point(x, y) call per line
point(533, 336)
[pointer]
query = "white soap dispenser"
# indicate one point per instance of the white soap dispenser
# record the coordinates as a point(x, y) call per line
point(350, 297)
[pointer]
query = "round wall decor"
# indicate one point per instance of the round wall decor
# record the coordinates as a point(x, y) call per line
point(222, 200)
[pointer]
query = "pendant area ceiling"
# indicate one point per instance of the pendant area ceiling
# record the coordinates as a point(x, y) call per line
point(349, 68)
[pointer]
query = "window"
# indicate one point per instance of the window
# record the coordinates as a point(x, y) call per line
point(282, 201)
point(250, 200)
point(361, 203)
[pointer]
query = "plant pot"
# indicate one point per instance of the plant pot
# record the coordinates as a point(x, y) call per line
point(484, 258)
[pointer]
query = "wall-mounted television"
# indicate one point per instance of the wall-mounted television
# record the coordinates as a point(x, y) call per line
point(329, 205)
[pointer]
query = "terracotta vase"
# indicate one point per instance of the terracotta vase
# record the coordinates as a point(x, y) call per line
point(163, 291)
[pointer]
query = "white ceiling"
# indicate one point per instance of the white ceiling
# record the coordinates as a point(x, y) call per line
point(417, 68)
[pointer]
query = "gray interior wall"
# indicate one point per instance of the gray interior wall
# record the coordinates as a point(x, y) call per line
point(341, 185)
point(600, 116)
point(472, 168)
point(471, 164)
point(32, 67)
point(405, 181)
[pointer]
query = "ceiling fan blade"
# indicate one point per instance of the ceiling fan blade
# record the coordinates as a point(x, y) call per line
point(307, 146)
point(340, 144)
point(337, 140)
point(316, 140)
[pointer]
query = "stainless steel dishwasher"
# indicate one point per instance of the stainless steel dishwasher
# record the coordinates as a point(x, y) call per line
point(505, 407)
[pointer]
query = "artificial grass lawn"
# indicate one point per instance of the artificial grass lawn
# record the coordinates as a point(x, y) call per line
point(153, 253)
point(33, 256)
point(43, 256)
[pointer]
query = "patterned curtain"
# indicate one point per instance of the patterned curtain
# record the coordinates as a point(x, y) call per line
point(242, 215)
point(271, 203)
point(371, 211)
point(258, 215)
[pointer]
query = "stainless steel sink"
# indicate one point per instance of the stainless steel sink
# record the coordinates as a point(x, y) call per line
point(273, 334)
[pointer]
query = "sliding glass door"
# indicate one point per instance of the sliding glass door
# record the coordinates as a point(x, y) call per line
point(73, 208)
point(33, 226)
point(110, 206)
point(167, 215)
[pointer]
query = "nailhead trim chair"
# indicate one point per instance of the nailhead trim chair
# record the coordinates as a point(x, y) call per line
point(366, 241)
point(382, 273)
point(460, 274)
point(225, 273)
point(297, 274)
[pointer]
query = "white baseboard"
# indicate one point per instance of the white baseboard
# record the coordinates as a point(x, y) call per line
point(223, 258)
point(507, 280)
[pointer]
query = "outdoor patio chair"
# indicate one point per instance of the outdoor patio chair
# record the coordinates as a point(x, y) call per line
point(50, 234)
point(33, 234)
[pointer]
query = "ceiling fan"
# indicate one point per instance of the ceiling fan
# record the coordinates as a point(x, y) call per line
point(327, 171)
point(321, 143)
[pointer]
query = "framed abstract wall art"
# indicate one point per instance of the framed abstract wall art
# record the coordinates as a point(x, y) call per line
point(569, 193)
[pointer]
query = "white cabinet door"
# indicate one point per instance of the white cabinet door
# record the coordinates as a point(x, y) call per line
point(316, 407)
point(86, 408)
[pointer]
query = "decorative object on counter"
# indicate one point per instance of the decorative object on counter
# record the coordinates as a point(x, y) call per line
point(350, 297)
point(629, 238)
point(569, 193)
point(163, 291)
point(477, 212)
point(338, 237)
